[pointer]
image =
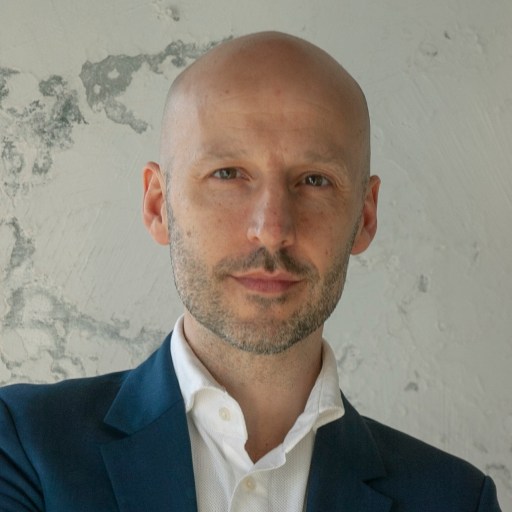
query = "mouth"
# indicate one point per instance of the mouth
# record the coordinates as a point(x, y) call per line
point(271, 284)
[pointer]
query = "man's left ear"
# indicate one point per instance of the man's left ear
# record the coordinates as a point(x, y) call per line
point(154, 211)
point(368, 221)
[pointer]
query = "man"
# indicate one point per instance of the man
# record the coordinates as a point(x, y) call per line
point(263, 191)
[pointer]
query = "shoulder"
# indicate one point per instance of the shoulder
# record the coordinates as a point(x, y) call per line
point(423, 473)
point(51, 405)
point(400, 450)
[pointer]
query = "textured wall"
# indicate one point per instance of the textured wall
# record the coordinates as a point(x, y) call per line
point(422, 334)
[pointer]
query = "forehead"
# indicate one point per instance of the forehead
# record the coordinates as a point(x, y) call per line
point(222, 116)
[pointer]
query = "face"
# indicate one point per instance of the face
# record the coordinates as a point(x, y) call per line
point(264, 207)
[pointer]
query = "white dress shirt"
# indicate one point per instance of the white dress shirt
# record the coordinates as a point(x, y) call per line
point(226, 479)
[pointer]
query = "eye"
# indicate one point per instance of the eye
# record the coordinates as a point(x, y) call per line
point(227, 173)
point(316, 180)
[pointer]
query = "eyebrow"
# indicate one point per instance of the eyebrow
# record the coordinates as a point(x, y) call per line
point(222, 151)
point(333, 155)
point(222, 154)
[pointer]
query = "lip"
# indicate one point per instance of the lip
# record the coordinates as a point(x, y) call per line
point(262, 282)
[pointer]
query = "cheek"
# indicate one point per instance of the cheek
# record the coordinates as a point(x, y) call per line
point(326, 234)
point(221, 216)
point(315, 223)
point(210, 226)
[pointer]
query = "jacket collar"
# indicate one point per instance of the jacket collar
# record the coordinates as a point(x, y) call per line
point(150, 462)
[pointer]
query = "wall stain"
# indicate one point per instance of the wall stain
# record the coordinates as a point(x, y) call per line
point(5, 73)
point(412, 386)
point(23, 246)
point(41, 127)
point(164, 11)
point(428, 50)
point(349, 360)
point(105, 80)
point(423, 283)
point(13, 159)
point(53, 128)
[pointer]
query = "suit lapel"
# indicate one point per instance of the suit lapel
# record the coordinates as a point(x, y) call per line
point(150, 463)
point(152, 469)
point(345, 457)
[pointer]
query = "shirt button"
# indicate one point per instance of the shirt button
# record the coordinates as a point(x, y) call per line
point(250, 484)
point(224, 414)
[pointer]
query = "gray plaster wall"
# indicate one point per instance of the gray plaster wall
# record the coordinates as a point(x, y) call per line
point(423, 332)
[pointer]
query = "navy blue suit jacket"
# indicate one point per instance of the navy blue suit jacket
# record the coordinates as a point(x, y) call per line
point(120, 443)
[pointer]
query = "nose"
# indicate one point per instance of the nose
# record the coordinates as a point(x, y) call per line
point(272, 223)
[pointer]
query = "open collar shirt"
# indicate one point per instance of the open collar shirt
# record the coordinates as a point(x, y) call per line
point(226, 479)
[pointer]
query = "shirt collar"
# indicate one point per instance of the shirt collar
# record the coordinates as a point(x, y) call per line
point(192, 375)
point(323, 405)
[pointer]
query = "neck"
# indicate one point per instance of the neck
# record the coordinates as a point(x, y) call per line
point(272, 390)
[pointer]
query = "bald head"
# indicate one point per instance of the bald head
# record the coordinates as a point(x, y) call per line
point(263, 67)
point(265, 150)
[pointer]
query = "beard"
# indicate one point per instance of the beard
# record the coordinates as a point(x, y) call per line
point(200, 288)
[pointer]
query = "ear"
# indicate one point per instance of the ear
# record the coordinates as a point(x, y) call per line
point(368, 222)
point(154, 212)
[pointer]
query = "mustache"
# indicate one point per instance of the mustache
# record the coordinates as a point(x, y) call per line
point(262, 258)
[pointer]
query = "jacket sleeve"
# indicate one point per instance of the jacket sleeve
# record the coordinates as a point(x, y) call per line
point(20, 490)
point(488, 498)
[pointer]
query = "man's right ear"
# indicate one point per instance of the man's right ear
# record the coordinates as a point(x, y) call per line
point(154, 211)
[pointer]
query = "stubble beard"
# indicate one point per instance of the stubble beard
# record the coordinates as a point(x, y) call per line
point(200, 290)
